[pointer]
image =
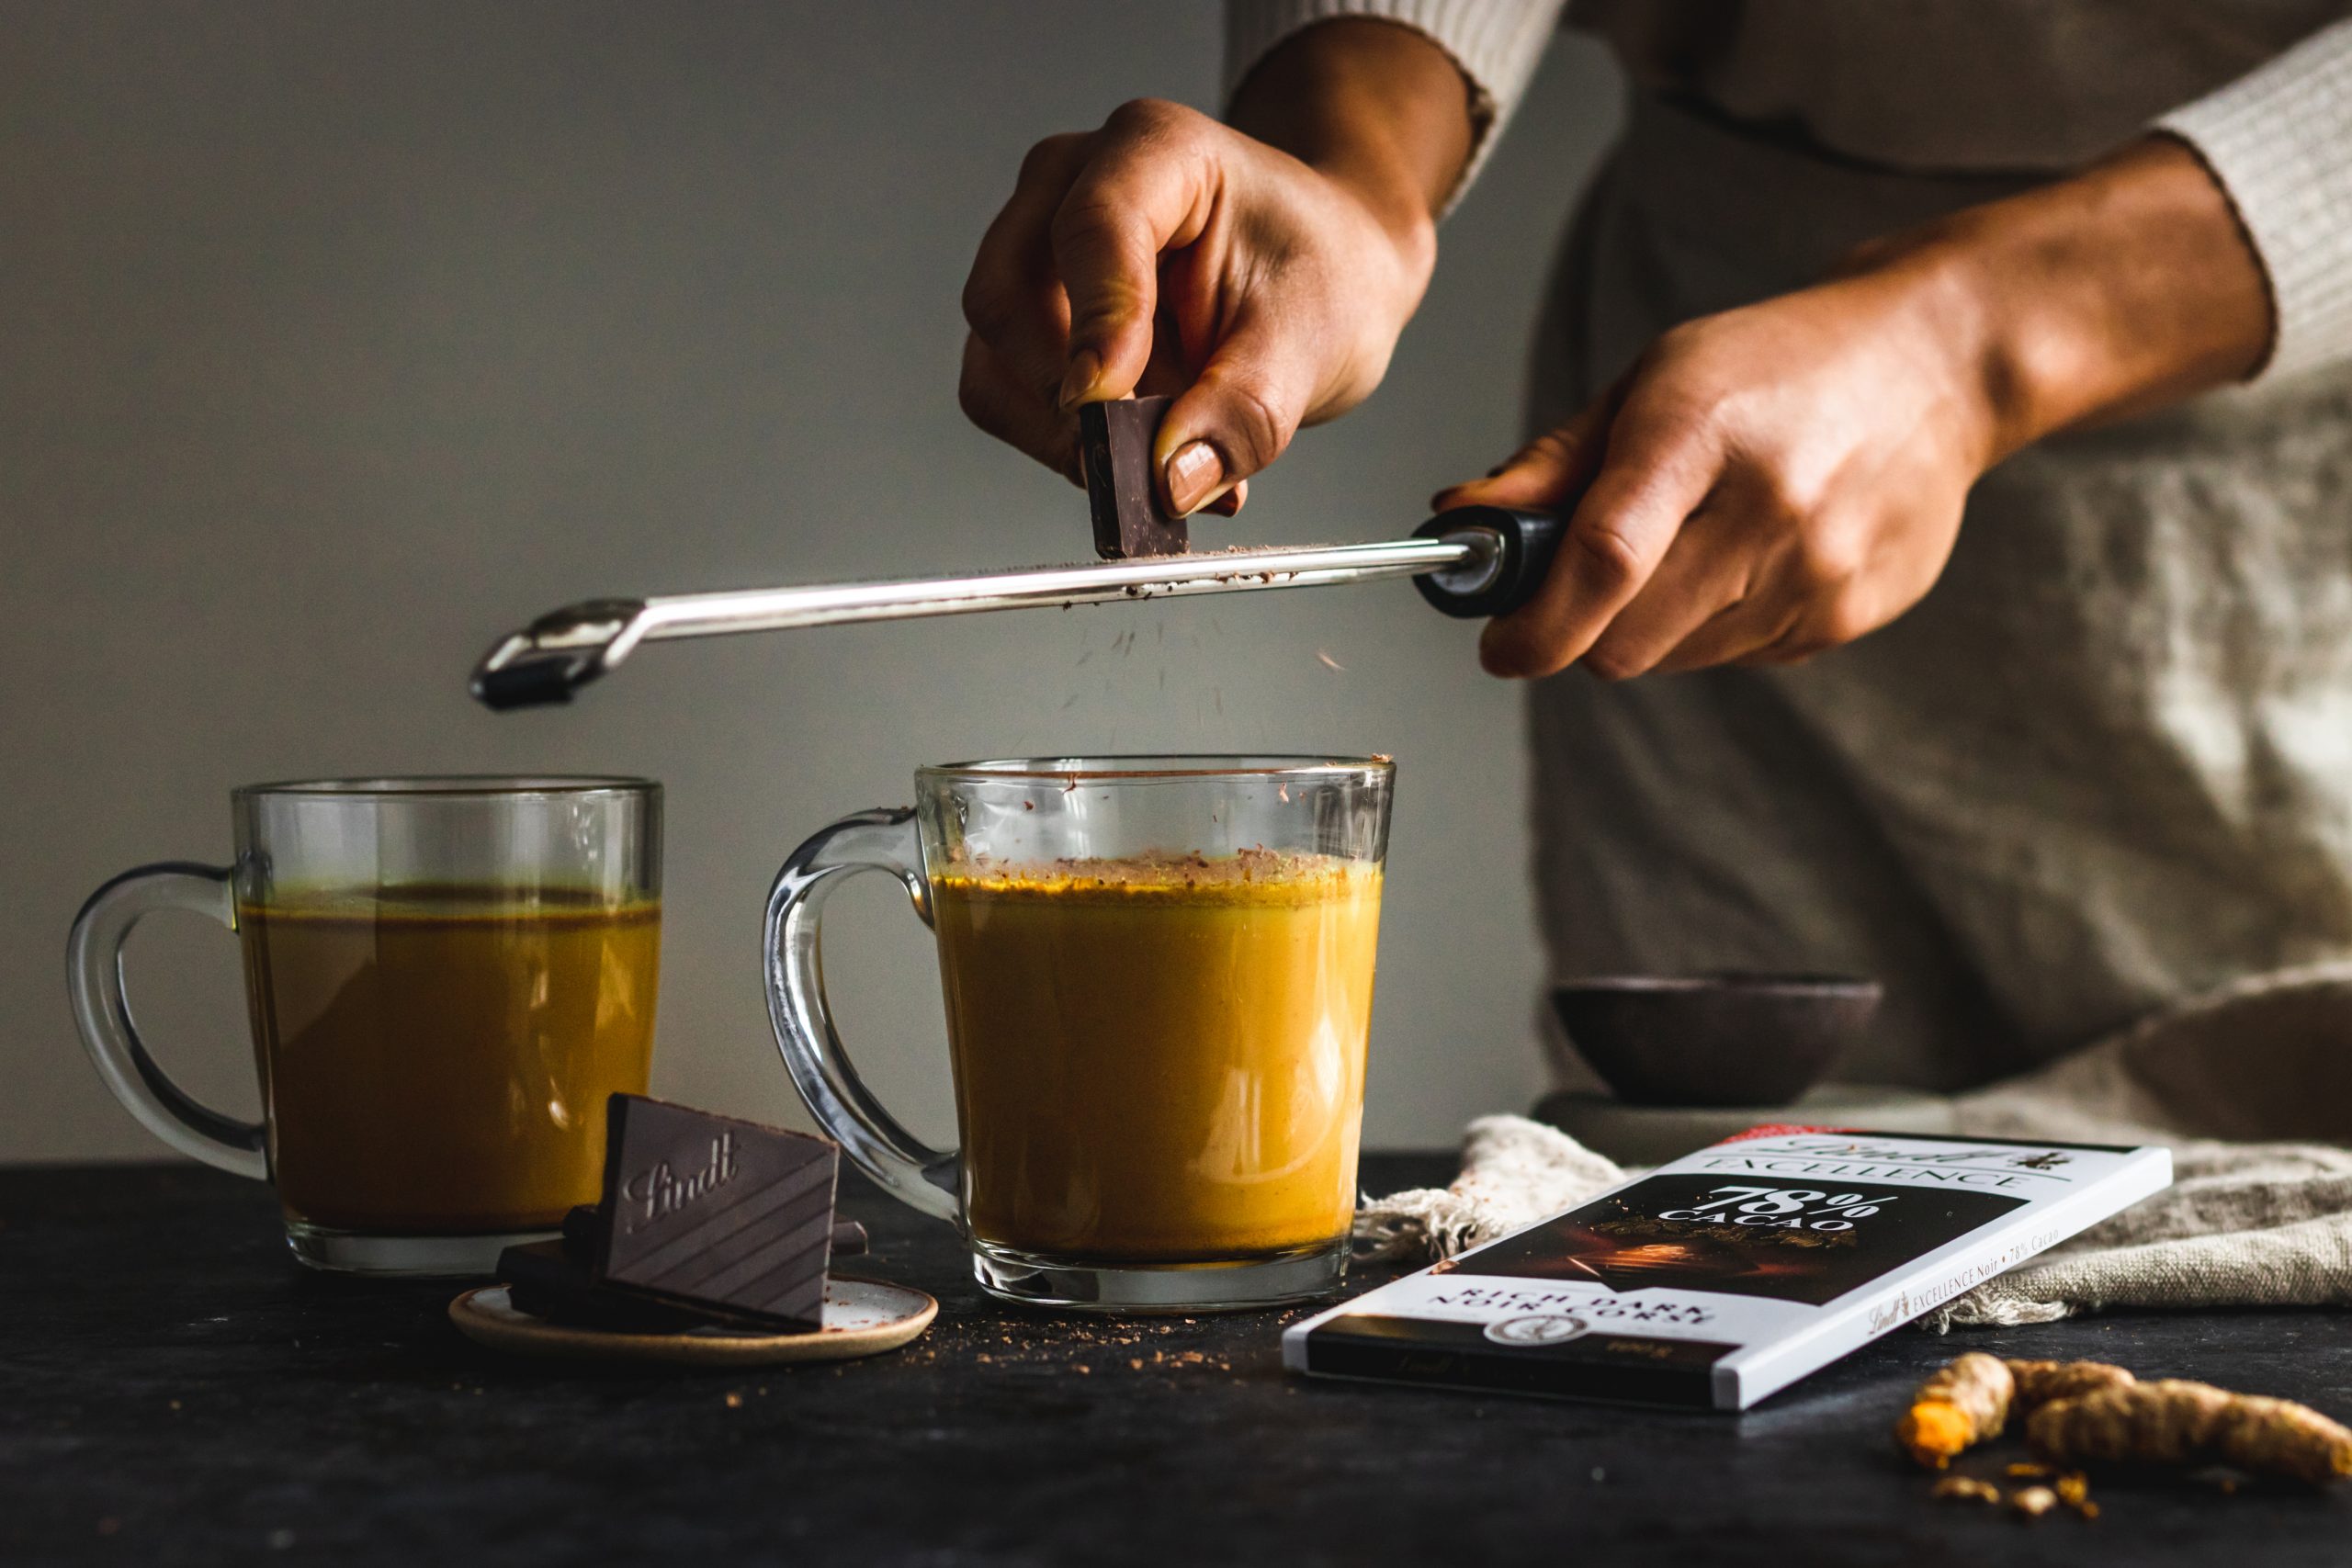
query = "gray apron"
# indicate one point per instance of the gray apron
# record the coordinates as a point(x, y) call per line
point(2105, 765)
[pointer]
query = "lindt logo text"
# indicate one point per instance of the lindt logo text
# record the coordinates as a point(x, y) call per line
point(661, 1191)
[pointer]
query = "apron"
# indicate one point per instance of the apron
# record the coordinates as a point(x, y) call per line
point(2105, 765)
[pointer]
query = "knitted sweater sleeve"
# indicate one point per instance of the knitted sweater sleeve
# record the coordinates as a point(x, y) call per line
point(2280, 141)
point(1496, 43)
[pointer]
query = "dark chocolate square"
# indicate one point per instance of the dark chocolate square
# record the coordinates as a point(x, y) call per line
point(1115, 445)
point(709, 1209)
point(543, 1279)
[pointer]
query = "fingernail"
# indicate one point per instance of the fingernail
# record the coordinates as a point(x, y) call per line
point(1192, 473)
point(1085, 366)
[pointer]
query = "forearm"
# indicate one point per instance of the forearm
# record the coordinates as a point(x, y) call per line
point(2120, 290)
point(1375, 107)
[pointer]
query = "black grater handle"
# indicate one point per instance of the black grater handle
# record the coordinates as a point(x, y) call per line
point(1511, 569)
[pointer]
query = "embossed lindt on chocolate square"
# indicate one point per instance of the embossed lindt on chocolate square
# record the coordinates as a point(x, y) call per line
point(712, 1210)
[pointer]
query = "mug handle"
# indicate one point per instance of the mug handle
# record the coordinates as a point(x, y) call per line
point(102, 1009)
point(920, 1177)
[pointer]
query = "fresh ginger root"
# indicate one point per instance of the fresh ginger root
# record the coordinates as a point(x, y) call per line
point(2176, 1422)
point(1968, 1399)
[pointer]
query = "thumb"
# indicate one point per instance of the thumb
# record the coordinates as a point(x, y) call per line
point(1549, 472)
point(1237, 416)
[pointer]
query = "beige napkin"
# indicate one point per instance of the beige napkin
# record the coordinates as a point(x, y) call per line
point(2251, 1088)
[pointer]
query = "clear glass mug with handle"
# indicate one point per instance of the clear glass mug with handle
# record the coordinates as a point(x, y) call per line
point(445, 979)
point(1158, 974)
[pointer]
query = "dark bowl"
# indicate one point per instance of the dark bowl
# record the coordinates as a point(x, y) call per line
point(1727, 1039)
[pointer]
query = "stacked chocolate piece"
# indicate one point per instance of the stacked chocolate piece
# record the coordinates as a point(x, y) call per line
point(1115, 442)
point(707, 1221)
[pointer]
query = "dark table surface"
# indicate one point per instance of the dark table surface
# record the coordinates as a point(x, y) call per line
point(178, 1391)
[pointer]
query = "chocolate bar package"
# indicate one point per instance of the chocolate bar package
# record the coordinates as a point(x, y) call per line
point(1721, 1277)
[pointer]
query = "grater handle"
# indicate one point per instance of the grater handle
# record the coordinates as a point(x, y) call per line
point(1496, 581)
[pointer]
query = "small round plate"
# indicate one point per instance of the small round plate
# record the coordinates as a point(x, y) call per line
point(863, 1318)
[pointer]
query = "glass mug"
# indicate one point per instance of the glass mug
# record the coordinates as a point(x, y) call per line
point(1158, 976)
point(445, 978)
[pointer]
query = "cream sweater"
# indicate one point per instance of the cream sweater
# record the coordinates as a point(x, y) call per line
point(1954, 86)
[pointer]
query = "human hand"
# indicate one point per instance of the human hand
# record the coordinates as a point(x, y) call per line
point(1763, 484)
point(1788, 477)
point(1260, 272)
point(1168, 252)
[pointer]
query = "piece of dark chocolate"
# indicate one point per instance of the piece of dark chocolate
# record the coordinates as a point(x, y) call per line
point(544, 1278)
point(849, 1237)
point(715, 1211)
point(1115, 444)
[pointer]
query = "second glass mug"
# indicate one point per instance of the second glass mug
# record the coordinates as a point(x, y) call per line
point(1158, 976)
point(447, 976)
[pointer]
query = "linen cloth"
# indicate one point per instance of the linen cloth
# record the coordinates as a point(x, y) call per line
point(2244, 1223)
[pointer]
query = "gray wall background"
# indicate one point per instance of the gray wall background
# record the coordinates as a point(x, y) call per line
point(335, 340)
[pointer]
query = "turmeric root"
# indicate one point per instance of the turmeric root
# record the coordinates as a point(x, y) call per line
point(2033, 1501)
point(1969, 1399)
point(2039, 1383)
point(1964, 1400)
point(2176, 1422)
point(1958, 1488)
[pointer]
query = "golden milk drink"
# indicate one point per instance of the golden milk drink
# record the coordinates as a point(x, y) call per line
point(437, 1059)
point(1159, 1060)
